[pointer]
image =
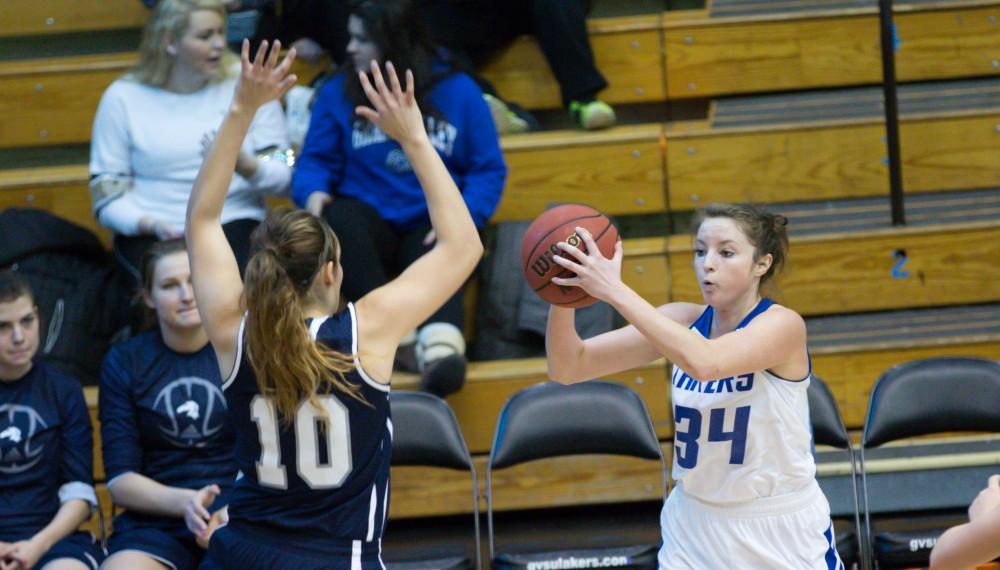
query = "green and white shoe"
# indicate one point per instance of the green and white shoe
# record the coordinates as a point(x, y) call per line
point(507, 121)
point(593, 115)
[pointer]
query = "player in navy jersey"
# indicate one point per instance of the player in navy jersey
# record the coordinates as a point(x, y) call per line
point(746, 493)
point(167, 439)
point(46, 443)
point(307, 385)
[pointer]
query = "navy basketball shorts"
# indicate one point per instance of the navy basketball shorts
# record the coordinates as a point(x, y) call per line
point(239, 547)
point(81, 546)
point(173, 546)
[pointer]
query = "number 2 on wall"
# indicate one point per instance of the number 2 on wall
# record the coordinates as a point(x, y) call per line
point(688, 456)
point(270, 471)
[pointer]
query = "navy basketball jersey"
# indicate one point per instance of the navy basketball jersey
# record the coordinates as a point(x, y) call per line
point(46, 447)
point(314, 478)
point(744, 437)
point(163, 415)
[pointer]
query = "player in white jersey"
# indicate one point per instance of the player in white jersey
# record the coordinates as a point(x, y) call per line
point(746, 493)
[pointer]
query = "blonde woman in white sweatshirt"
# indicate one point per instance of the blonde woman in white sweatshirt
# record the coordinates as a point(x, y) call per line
point(153, 126)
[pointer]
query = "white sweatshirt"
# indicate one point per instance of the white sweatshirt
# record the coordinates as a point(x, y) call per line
point(152, 137)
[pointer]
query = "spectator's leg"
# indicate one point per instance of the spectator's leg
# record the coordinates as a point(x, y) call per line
point(470, 33)
point(473, 28)
point(367, 245)
point(561, 29)
point(440, 347)
point(238, 234)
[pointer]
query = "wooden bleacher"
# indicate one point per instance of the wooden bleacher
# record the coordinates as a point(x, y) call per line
point(627, 50)
point(830, 144)
point(738, 47)
point(31, 17)
point(737, 153)
point(707, 55)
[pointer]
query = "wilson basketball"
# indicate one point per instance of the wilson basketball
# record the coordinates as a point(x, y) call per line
point(557, 225)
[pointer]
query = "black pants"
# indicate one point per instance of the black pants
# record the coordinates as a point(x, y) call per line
point(129, 250)
point(475, 30)
point(372, 251)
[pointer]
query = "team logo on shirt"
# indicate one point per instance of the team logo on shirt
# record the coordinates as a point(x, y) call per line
point(193, 410)
point(18, 425)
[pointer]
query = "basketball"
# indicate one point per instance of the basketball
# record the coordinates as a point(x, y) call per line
point(556, 225)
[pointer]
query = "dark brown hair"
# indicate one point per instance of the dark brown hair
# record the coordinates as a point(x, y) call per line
point(766, 231)
point(397, 31)
point(13, 286)
point(289, 249)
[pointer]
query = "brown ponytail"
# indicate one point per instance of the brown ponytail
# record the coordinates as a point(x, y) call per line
point(291, 248)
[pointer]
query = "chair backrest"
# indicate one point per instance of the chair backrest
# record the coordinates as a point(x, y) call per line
point(425, 432)
point(924, 397)
point(550, 419)
point(828, 429)
point(934, 395)
point(827, 425)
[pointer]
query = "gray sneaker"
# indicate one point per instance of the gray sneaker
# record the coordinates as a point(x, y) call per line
point(507, 121)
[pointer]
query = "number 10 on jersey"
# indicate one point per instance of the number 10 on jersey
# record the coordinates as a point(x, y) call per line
point(691, 418)
point(336, 437)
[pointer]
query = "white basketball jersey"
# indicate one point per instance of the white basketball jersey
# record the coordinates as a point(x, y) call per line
point(741, 438)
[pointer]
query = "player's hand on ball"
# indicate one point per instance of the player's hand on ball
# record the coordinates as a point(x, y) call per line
point(599, 276)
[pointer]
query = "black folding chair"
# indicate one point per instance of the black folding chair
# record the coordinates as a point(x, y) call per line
point(828, 429)
point(550, 420)
point(936, 395)
point(426, 433)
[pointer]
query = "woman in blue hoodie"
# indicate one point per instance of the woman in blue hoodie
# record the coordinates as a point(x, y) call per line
point(360, 181)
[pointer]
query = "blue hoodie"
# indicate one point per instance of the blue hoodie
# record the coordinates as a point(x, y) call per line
point(345, 156)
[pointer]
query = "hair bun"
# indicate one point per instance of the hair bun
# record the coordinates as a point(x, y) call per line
point(780, 221)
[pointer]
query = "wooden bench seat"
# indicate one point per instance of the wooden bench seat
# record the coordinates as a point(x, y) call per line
point(940, 40)
point(34, 17)
point(60, 190)
point(783, 48)
point(627, 51)
point(826, 145)
point(709, 56)
point(53, 101)
point(862, 271)
point(619, 170)
point(625, 170)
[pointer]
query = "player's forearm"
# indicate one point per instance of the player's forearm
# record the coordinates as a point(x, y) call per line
point(563, 346)
point(70, 516)
point(968, 545)
point(674, 341)
point(140, 493)
point(212, 183)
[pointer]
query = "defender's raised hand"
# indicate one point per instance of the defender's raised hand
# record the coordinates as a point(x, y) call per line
point(263, 79)
point(393, 109)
